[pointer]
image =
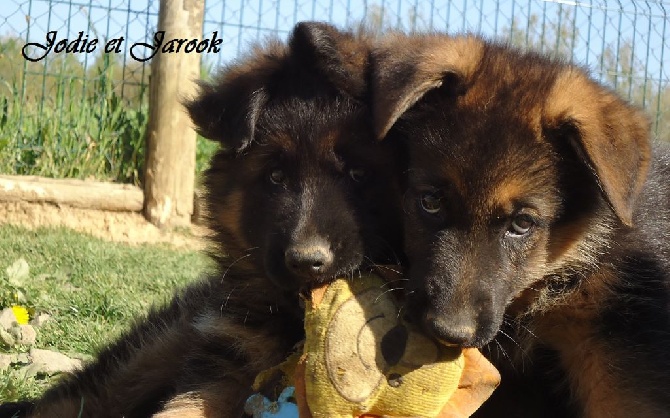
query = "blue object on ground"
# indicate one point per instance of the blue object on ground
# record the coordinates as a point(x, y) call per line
point(261, 407)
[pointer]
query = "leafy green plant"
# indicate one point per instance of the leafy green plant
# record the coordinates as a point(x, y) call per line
point(78, 125)
point(101, 136)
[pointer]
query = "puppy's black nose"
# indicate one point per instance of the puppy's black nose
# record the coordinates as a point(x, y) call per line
point(308, 260)
point(450, 330)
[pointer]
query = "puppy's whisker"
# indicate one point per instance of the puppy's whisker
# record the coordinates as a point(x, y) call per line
point(385, 292)
point(391, 269)
point(528, 330)
point(509, 337)
point(504, 353)
point(238, 259)
point(225, 302)
point(401, 279)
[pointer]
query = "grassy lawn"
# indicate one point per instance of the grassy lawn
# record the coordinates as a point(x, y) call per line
point(92, 289)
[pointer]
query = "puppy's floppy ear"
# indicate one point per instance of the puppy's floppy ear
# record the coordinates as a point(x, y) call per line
point(611, 137)
point(405, 68)
point(341, 57)
point(226, 110)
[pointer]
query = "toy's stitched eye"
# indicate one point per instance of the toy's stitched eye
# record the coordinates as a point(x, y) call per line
point(357, 174)
point(430, 202)
point(521, 225)
point(277, 176)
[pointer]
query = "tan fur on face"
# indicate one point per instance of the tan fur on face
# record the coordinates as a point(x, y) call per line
point(507, 192)
point(580, 242)
point(451, 175)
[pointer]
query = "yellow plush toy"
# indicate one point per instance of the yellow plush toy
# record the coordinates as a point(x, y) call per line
point(361, 359)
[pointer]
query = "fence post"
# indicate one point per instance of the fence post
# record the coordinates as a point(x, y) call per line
point(169, 174)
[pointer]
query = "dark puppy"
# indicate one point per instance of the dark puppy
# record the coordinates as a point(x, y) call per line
point(300, 194)
point(529, 218)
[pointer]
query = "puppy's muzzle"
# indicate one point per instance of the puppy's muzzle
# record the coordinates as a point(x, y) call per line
point(450, 330)
point(309, 260)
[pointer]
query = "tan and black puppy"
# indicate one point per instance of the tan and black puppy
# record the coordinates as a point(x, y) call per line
point(300, 193)
point(537, 221)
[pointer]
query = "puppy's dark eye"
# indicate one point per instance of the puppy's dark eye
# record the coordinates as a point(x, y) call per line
point(430, 202)
point(357, 174)
point(277, 176)
point(521, 225)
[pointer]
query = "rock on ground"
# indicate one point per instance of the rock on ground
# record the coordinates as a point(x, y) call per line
point(28, 335)
point(7, 318)
point(50, 362)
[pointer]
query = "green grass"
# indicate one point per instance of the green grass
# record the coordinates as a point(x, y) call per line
point(78, 127)
point(73, 133)
point(92, 288)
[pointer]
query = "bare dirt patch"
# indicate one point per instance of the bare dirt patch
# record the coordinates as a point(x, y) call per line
point(127, 227)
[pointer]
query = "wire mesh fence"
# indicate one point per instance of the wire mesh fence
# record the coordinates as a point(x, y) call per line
point(83, 114)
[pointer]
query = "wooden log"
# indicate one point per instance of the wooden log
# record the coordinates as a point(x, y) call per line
point(70, 192)
point(169, 179)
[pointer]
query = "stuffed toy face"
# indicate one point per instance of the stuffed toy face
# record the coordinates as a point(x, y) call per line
point(360, 359)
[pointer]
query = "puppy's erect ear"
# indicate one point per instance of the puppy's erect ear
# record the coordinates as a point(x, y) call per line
point(405, 68)
point(611, 136)
point(226, 110)
point(341, 57)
